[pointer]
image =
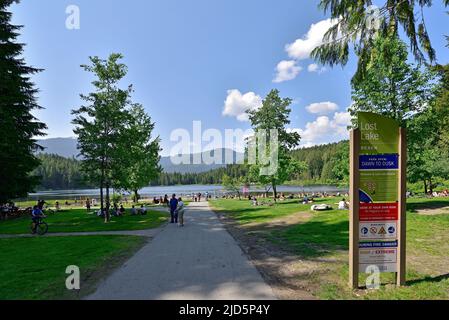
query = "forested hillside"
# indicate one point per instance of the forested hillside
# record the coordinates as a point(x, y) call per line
point(326, 164)
point(59, 173)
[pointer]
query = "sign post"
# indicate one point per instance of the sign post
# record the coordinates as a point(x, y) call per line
point(377, 186)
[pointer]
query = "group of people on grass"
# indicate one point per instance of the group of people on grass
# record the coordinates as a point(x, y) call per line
point(175, 205)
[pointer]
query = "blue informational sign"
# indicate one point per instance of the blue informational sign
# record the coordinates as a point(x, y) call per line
point(379, 162)
point(379, 244)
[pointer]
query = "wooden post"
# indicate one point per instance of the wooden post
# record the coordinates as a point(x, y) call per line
point(402, 185)
point(354, 209)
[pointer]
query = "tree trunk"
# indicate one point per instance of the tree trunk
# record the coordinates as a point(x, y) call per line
point(431, 186)
point(107, 216)
point(425, 186)
point(275, 193)
point(136, 196)
point(101, 191)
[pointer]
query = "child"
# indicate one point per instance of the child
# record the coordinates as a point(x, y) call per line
point(180, 212)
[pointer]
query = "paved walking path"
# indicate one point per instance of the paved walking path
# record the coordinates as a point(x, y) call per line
point(200, 262)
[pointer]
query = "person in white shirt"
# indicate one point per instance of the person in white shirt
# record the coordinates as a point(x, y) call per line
point(343, 205)
point(180, 212)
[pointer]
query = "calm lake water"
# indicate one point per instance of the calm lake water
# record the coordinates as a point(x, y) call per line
point(179, 190)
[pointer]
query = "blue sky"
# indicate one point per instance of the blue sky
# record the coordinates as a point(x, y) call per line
point(186, 57)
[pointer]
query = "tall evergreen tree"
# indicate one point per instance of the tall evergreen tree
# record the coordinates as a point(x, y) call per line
point(18, 127)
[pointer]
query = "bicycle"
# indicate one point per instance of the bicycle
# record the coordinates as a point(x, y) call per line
point(40, 227)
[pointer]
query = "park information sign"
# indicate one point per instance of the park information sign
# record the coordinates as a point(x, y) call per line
point(378, 197)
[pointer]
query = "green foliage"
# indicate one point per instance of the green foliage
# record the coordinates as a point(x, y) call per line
point(352, 27)
point(325, 164)
point(233, 184)
point(274, 115)
point(115, 135)
point(18, 126)
point(391, 86)
point(59, 173)
point(140, 160)
point(99, 123)
point(428, 137)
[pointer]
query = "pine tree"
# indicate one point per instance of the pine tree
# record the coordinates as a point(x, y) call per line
point(18, 126)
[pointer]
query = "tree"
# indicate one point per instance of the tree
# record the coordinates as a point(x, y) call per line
point(18, 126)
point(100, 123)
point(359, 22)
point(140, 162)
point(274, 115)
point(232, 184)
point(402, 91)
point(391, 86)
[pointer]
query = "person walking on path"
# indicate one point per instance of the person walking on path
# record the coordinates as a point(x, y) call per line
point(173, 207)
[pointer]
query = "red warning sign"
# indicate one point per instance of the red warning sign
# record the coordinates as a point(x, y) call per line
point(379, 211)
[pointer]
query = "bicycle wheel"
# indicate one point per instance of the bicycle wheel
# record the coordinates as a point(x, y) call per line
point(42, 228)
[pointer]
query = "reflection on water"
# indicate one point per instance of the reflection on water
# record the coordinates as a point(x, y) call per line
point(179, 190)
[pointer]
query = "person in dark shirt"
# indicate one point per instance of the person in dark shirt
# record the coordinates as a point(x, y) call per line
point(173, 206)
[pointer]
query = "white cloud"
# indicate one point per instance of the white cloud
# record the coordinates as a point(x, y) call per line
point(342, 118)
point(316, 68)
point(301, 48)
point(286, 70)
point(325, 130)
point(313, 67)
point(322, 107)
point(236, 104)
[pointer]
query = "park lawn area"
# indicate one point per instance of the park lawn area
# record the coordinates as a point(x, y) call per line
point(78, 220)
point(34, 268)
point(321, 243)
point(243, 212)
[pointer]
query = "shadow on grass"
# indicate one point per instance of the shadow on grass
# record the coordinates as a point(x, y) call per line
point(429, 279)
point(315, 238)
point(426, 204)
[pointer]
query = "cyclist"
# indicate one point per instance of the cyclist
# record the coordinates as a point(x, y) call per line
point(36, 215)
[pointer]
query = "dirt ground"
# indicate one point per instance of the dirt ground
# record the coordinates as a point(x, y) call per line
point(433, 212)
point(290, 276)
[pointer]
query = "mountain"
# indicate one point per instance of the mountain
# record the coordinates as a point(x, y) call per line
point(66, 147)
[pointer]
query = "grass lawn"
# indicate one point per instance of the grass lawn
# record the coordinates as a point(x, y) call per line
point(243, 212)
point(78, 220)
point(321, 241)
point(35, 268)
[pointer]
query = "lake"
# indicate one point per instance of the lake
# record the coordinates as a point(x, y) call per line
point(179, 190)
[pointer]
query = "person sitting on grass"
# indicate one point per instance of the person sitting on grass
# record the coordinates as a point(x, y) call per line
point(143, 210)
point(180, 212)
point(343, 205)
point(57, 206)
point(133, 210)
point(122, 210)
point(36, 214)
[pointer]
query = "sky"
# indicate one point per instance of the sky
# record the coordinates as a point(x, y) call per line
point(196, 60)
